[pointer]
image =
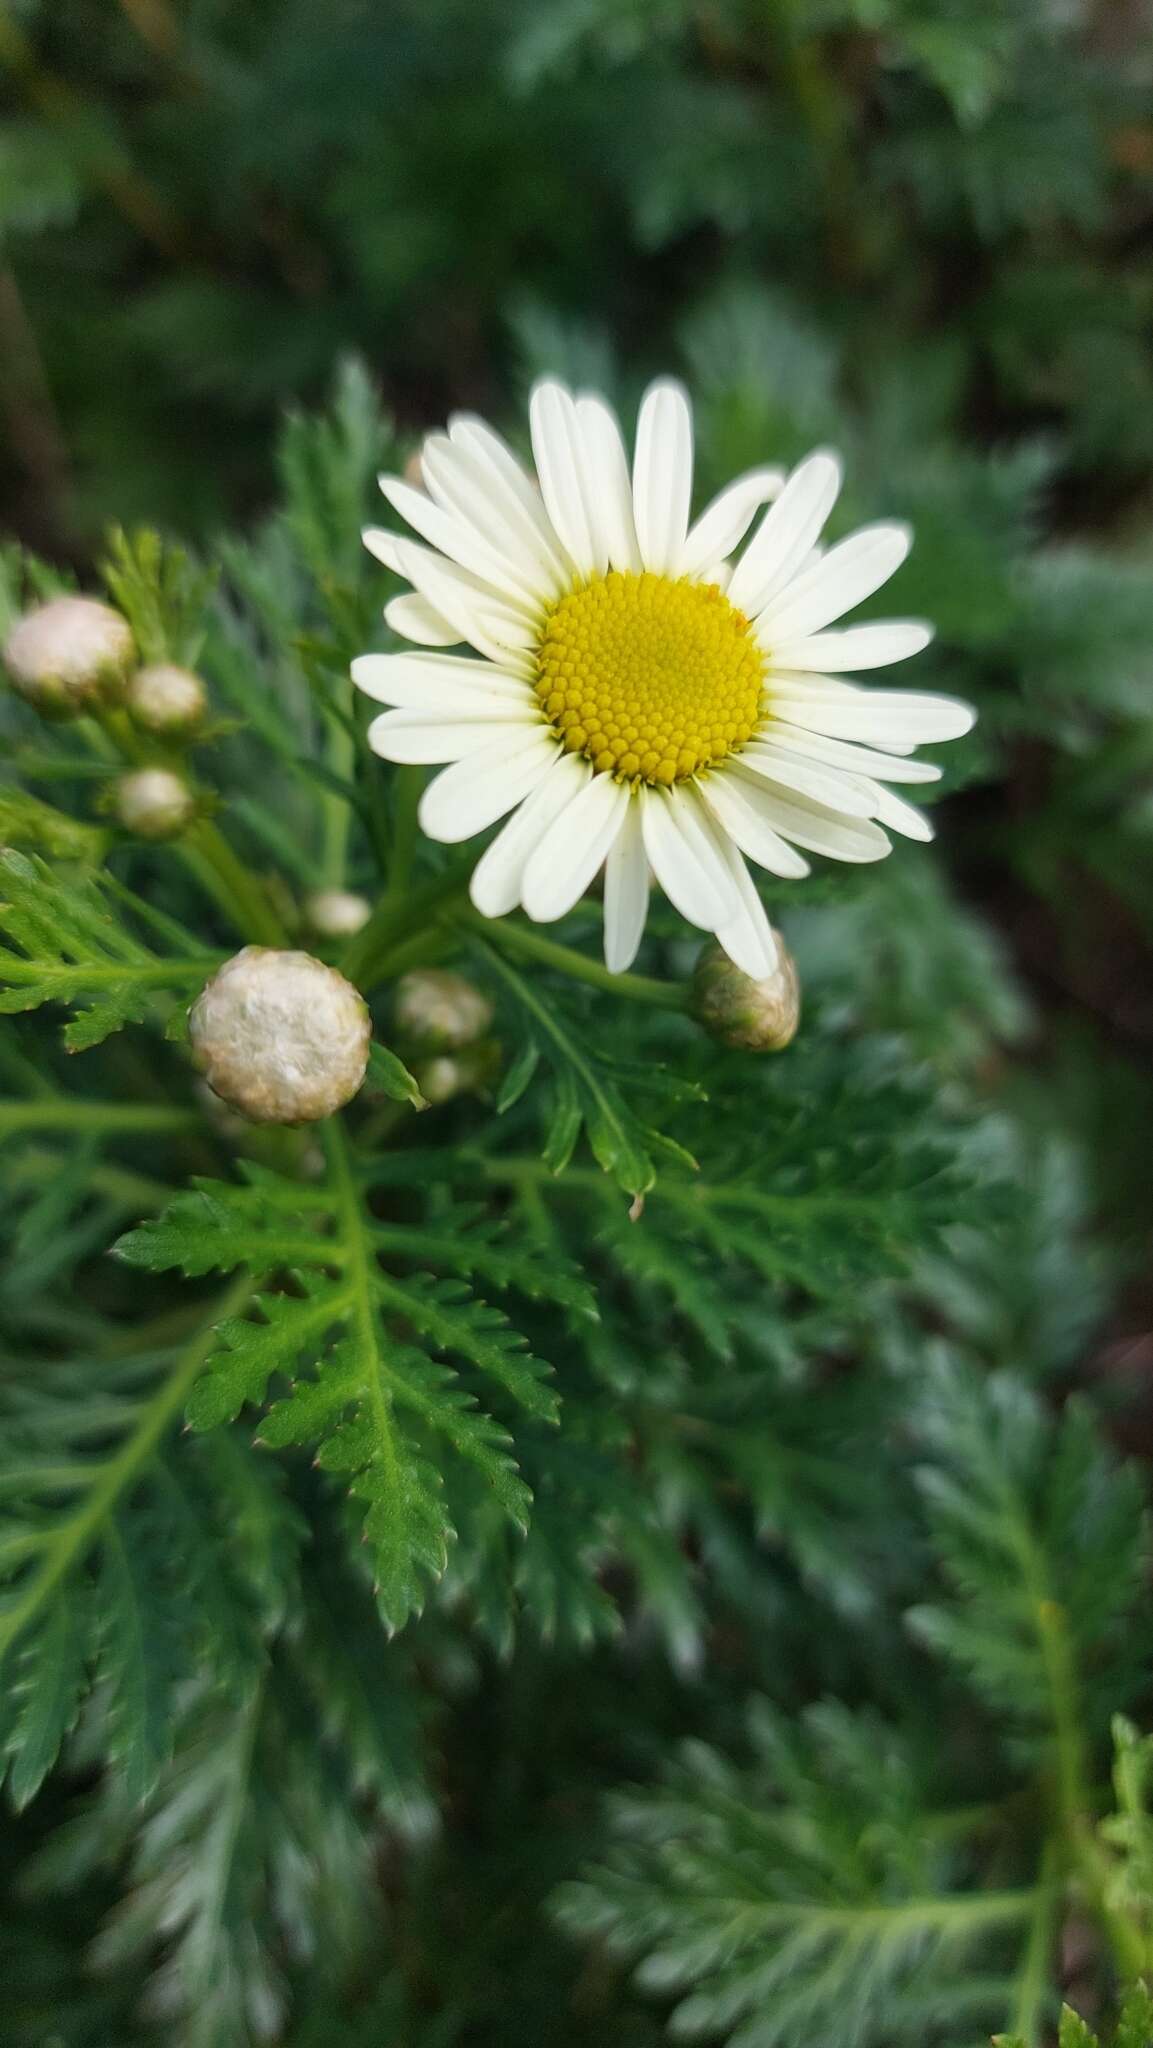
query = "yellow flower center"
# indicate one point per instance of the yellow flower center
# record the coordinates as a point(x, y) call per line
point(649, 678)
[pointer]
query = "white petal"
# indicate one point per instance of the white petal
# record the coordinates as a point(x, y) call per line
point(817, 828)
point(626, 893)
point(684, 858)
point(556, 444)
point(856, 648)
point(811, 746)
point(515, 577)
point(883, 718)
point(441, 685)
point(827, 785)
point(405, 736)
point(844, 577)
point(573, 849)
point(414, 618)
point(499, 873)
point(473, 794)
point(608, 492)
point(501, 465)
point(901, 817)
point(747, 936)
point(384, 545)
point(663, 476)
point(723, 524)
point(738, 810)
point(461, 477)
point(786, 533)
point(478, 614)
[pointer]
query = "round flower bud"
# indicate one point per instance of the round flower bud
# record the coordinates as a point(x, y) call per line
point(280, 1036)
point(757, 1016)
point(336, 913)
point(440, 1011)
point(69, 656)
point(166, 700)
point(153, 803)
point(448, 1074)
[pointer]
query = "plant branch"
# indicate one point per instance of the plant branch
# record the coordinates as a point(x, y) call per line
point(69, 1542)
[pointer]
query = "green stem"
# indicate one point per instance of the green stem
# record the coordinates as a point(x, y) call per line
point(239, 895)
point(337, 811)
point(203, 849)
point(393, 921)
point(407, 792)
point(514, 938)
point(66, 1113)
point(361, 1270)
point(1074, 1811)
point(1034, 1981)
point(70, 1541)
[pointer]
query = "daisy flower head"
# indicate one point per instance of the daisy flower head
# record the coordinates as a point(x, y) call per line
point(647, 693)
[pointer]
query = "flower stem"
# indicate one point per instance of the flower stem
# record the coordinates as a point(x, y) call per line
point(514, 938)
point(207, 853)
point(1034, 1980)
point(203, 849)
point(406, 796)
point(67, 1542)
point(393, 921)
point(69, 1113)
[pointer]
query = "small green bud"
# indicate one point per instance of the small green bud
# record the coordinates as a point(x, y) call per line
point(69, 656)
point(439, 1011)
point(280, 1037)
point(154, 803)
point(168, 701)
point(336, 913)
point(756, 1016)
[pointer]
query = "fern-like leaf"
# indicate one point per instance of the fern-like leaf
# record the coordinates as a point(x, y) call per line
point(359, 1350)
point(67, 946)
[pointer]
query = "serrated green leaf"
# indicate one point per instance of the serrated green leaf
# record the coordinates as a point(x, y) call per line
point(73, 951)
point(359, 1391)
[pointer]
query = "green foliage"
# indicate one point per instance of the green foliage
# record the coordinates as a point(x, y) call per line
point(844, 1345)
point(1043, 1542)
point(799, 1897)
point(379, 1396)
point(1134, 2027)
point(73, 949)
point(102, 1547)
point(161, 593)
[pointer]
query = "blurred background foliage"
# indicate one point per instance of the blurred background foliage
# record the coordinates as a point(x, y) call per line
point(919, 229)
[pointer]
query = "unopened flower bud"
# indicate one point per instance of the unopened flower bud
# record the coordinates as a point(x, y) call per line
point(69, 656)
point(440, 1011)
point(757, 1016)
point(336, 913)
point(166, 700)
point(153, 803)
point(280, 1036)
point(460, 1073)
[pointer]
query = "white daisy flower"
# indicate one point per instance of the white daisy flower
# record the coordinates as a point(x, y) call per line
point(642, 697)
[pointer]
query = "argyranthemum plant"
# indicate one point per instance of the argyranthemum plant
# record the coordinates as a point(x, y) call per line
point(646, 697)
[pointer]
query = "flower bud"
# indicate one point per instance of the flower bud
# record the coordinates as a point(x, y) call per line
point(166, 700)
point(463, 1073)
point(280, 1036)
point(69, 656)
point(757, 1016)
point(336, 913)
point(153, 803)
point(440, 1011)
